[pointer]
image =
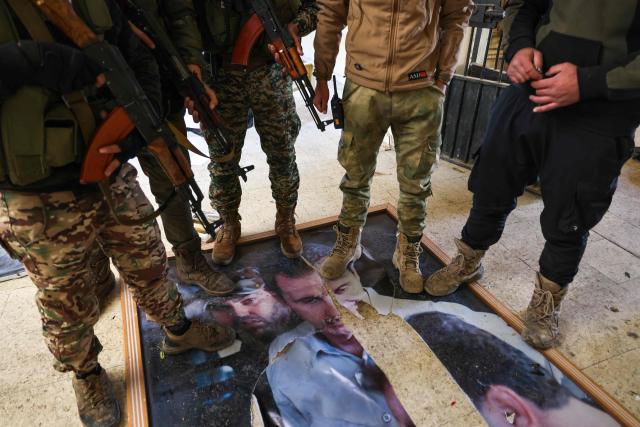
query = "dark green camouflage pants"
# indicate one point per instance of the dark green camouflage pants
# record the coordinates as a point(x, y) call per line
point(415, 118)
point(52, 234)
point(268, 94)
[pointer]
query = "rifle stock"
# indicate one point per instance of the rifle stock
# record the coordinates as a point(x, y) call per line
point(62, 15)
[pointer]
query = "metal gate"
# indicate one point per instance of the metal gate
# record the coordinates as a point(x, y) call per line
point(472, 94)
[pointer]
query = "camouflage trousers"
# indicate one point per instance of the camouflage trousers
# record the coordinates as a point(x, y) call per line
point(415, 118)
point(177, 221)
point(52, 233)
point(268, 95)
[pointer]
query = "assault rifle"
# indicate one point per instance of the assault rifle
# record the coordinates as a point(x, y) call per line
point(185, 82)
point(264, 19)
point(135, 111)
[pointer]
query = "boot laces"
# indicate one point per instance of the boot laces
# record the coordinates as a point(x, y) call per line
point(343, 243)
point(411, 252)
point(94, 393)
point(225, 232)
point(455, 265)
point(286, 224)
point(543, 305)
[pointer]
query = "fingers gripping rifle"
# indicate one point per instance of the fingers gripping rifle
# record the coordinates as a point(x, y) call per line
point(135, 111)
point(186, 83)
point(264, 20)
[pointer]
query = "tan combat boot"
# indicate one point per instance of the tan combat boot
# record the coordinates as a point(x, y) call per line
point(465, 267)
point(97, 405)
point(224, 248)
point(103, 280)
point(406, 259)
point(346, 249)
point(199, 336)
point(192, 269)
point(290, 241)
point(541, 320)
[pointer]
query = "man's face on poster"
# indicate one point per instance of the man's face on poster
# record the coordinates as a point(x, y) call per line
point(348, 289)
point(257, 311)
point(309, 298)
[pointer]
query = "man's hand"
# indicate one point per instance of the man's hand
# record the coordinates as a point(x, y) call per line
point(525, 65)
point(125, 150)
point(321, 100)
point(195, 70)
point(295, 35)
point(188, 102)
point(440, 84)
point(559, 89)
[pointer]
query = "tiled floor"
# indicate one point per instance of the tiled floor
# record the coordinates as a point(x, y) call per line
point(601, 316)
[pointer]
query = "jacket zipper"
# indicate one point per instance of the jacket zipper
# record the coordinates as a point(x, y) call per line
point(392, 39)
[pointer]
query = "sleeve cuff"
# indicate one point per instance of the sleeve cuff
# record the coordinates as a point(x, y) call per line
point(192, 56)
point(322, 75)
point(592, 82)
point(444, 76)
point(516, 45)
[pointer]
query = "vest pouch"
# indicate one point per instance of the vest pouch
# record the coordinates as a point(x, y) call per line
point(23, 135)
point(62, 136)
point(224, 25)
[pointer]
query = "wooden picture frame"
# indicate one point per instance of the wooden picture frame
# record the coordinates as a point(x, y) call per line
point(137, 412)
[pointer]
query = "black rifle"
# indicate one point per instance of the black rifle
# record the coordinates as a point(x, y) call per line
point(264, 20)
point(135, 109)
point(185, 82)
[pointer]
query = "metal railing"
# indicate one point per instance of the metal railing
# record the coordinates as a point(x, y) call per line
point(471, 95)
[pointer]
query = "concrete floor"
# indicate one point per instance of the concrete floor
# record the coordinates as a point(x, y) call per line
point(601, 316)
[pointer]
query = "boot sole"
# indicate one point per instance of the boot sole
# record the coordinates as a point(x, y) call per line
point(407, 290)
point(172, 351)
point(356, 256)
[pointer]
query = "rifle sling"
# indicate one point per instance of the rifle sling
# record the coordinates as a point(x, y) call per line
point(32, 20)
point(106, 191)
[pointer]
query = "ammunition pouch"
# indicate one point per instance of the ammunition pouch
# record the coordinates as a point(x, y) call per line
point(38, 132)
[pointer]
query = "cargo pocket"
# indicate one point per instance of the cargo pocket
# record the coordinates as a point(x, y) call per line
point(348, 155)
point(61, 136)
point(588, 206)
point(23, 135)
point(430, 157)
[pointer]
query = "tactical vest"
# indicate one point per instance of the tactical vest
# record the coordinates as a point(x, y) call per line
point(38, 131)
point(224, 20)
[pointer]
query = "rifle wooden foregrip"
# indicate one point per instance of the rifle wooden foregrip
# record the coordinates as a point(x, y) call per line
point(299, 67)
point(62, 15)
point(173, 167)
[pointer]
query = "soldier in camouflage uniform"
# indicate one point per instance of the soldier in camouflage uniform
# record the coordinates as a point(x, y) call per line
point(49, 221)
point(177, 17)
point(264, 90)
point(395, 78)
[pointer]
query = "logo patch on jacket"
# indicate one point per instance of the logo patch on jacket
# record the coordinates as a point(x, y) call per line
point(418, 75)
